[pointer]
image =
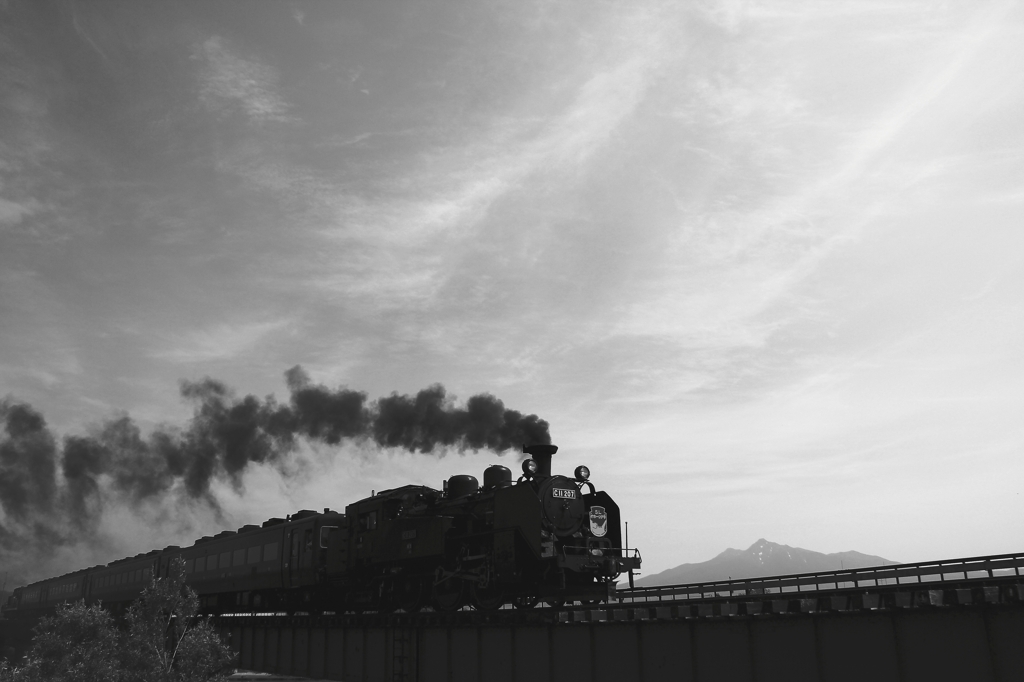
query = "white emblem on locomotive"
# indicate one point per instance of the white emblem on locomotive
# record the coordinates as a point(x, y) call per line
point(598, 521)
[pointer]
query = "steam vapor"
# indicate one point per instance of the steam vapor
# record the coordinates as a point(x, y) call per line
point(224, 436)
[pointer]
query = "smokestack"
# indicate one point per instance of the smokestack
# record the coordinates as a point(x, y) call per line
point(541, 453)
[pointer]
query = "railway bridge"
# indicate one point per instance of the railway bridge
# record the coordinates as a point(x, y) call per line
point(961, 619)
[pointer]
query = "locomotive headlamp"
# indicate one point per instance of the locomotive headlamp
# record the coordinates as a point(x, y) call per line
point(582, 473)
point(530, 468)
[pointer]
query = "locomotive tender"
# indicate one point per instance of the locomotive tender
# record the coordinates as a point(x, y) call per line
point(544, 538)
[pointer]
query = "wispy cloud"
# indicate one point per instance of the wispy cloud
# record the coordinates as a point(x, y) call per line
point(228, 79)
point(398, 245)
point(734, 275)
point(12, 212)
point(218, 342)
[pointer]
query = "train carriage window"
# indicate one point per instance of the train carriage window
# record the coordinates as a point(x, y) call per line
point(307, 554)
point(270, 552)
point(238, 558)
point(392, 509)
point(190, 566)
point(325, 531)
point(225, 559)
point(211, 562)
point(254, 555)
point(368, 521)
point(146, 573)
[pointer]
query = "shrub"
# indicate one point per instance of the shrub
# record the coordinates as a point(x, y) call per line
point(161, 641)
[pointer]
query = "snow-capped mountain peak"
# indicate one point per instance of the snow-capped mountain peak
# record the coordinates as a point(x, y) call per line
point(763, 558)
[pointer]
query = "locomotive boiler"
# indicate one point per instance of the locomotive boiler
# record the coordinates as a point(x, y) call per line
point(541, 538)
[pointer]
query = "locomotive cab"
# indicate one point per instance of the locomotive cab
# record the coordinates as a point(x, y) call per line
point(392, 526)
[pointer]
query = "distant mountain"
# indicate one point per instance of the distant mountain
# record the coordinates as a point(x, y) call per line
point(761, 559)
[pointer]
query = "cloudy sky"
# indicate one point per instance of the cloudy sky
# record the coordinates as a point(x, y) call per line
point(759, 264)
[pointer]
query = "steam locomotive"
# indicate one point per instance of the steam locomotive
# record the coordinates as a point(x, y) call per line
point(543, 538)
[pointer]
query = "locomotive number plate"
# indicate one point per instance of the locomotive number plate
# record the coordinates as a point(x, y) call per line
point(563, 493)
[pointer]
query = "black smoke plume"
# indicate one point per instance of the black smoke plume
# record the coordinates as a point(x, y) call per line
point(226, 433)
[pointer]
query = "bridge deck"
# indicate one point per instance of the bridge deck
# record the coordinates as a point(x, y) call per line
point(890, 623)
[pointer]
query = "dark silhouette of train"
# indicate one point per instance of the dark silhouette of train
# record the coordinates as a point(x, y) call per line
point(544, 538)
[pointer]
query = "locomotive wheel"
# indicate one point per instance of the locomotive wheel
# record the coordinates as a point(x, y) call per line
point(410, 595)
point(524, 601)
point(487, 598)
point(449, 595)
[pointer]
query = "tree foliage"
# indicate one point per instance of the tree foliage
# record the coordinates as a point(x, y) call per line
point(161, 640)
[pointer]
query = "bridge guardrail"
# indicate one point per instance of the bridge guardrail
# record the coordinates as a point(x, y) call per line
point(983, 567)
